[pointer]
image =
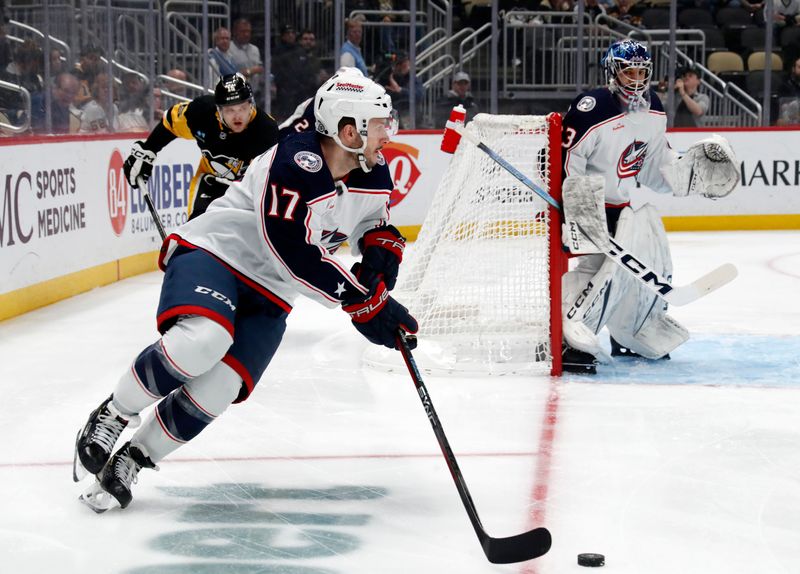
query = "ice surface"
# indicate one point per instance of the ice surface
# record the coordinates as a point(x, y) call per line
point(690, 465)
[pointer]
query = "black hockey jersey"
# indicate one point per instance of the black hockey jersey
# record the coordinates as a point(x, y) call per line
point(225, 154)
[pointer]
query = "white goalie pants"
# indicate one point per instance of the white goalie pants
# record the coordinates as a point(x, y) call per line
point(599, 293)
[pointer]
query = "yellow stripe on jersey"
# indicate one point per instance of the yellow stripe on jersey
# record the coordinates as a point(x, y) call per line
point(175, 121)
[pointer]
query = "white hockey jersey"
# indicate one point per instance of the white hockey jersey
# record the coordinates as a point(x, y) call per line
point(279, 227)
point(628, 149)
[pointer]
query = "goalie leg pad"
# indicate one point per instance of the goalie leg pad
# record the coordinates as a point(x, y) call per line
point(639, 321)
point(585, 228)
point(593, 290)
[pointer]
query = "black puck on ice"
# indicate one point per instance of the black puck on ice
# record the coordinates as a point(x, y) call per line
point(592, 560)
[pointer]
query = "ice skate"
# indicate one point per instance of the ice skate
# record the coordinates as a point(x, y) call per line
point(575, 361)
point(113, 485)
point(618, 350)
point(95, 442)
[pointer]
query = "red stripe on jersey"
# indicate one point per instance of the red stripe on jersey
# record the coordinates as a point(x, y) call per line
point(240, 370)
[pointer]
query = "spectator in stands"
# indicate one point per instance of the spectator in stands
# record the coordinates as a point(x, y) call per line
point(459, 94)
point(397, 85)
point(64, 116)
point(287, 41)
point(692, 105)
point(786, 13)
point(308, 41)
point(87, 68)
point(627, 11)
point(133, 105)
point(219, 57)
point(246, 56)
point(98, 115)
point(789, 97)
point(58, 63)
point(593, 8)
point(296, 72)
point(176, 87)
point(5, 46)
point(790, 88)
point(351, 49)
point(26, 67)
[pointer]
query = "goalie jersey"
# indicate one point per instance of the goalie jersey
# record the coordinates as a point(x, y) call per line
point(628, 149)
point(279, 227)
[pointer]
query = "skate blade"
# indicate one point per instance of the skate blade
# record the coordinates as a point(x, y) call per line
point(79, 472)
point(98, 499)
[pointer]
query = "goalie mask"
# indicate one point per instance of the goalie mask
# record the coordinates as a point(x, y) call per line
point(350, 95)
point(628, 67)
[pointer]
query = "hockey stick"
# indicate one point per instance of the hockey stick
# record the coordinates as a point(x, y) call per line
point(519, 548)
point(140, 183)
point(674, 294)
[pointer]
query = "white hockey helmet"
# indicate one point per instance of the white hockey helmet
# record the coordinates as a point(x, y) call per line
point(351, 95)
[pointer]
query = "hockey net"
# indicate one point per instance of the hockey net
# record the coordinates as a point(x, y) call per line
point(483, 277)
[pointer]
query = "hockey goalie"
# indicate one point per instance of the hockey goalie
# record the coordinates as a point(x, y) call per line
point(614, 139)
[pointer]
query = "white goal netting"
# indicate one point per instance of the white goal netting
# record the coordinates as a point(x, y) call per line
point(478, 276)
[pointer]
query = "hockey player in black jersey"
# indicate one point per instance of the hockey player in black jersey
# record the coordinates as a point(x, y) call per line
point(614, 140)
point(229, 130)
point(231, 278)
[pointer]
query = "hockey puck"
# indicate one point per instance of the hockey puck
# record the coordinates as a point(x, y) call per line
point(591, 560)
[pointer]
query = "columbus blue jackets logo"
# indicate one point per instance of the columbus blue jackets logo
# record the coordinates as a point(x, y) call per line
point(380, 159)
point(333, 239)
point(632, 159)
point(309, 161)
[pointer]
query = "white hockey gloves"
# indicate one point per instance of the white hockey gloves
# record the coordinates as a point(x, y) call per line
point(139, 164)
point(585, 229)
point(709, 168)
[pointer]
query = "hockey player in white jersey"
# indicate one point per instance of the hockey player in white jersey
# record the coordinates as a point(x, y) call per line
point(614, 139)
point(232, 275)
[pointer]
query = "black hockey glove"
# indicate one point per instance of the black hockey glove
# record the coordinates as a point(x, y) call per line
point(377, 316)
point(139, 164)
point(382, 250)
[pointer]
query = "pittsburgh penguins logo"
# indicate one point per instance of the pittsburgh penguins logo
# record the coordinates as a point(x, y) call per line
point(632, 159)
point(224, 166)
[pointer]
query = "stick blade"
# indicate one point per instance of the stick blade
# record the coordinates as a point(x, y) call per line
point(519, 548)
point(709, 282)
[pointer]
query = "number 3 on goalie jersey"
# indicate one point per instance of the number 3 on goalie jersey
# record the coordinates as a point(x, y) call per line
point(569, 136)
point(294, 197)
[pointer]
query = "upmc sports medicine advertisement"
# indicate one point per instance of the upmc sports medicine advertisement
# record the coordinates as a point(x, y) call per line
point(65, 206)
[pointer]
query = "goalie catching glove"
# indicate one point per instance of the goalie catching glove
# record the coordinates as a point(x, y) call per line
point(382, 252)
point(378, 317)
point(708, 168)
point(139, 164)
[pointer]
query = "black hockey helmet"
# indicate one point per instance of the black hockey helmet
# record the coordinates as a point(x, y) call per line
point(232, 89)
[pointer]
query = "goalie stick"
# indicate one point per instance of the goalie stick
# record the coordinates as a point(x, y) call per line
point(674, 294)
point(140, 183)
point(519, 548)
